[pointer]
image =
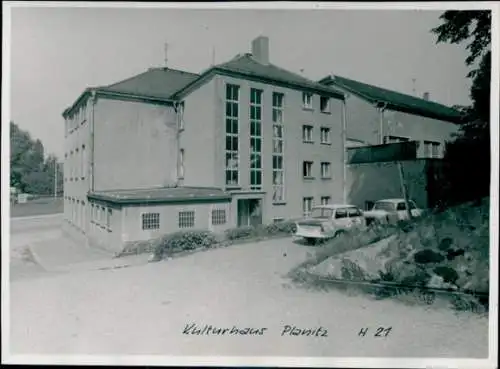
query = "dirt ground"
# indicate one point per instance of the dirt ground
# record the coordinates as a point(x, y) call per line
point(146, 310)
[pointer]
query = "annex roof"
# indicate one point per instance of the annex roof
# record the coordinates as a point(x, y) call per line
point(161, 195)
point(394, 100)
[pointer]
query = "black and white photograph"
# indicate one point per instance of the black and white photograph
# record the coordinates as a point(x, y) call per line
point(250, 184)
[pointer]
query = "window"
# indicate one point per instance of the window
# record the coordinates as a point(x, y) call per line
point(108, 218)
point(186, 219)
point(181, 163)
point(325, 135)
point(307, 133)
point(150, 221)
point(341, 213)
point(432, 149)
point(278, 157)
point(321, 213)
point(307, 100)
point(218, 216)
point(255, 139)
point(181, 116)
point(84, 162)
point(353, 212)
point(307, 204)
point(402, 206)
point(307, 169)
point(325, 170)
point(278, 220)
point(325, 200)
point(77, 168)
point(232, 135)
point(325, 104)
point(395, 139)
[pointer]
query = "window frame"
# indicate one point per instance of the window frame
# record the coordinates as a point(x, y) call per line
point(183, 215)
point(278, 156)
point(255, 105)
point(307, 100)
point(328, 166)
point(306, 164)
point(307, 133)
point(325, 136)
point(328, 108)
point(153, 224)
point(217, 218)
point(232, 154)
point(307, 200)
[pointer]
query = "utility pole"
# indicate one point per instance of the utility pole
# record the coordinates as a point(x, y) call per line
point(55, 178)
point(404, 189)
point(166, 55)
point(413, 86)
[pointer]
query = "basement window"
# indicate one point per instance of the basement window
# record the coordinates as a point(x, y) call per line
point(186, 219)
point(218, 216)
point(150, 221)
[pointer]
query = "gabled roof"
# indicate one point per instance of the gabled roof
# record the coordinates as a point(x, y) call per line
point(245, 66)
point(156, 82)
point(161, 195)
point(173, 84)
point(394, 100)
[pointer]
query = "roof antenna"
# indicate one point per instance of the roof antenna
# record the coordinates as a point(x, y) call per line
point(166, 55)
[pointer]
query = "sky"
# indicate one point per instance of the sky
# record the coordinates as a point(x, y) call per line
point(57, 52)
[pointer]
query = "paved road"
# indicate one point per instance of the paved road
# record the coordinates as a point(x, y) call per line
point(27, 231)
point(145, 310)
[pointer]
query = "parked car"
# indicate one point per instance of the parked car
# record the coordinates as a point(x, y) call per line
point(327, 221)
point(390, 211)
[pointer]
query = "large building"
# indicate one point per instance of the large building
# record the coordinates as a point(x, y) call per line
point(243, 143)
point(386, 129)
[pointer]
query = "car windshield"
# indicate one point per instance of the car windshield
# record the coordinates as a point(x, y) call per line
point(383, 205)
point(321, 213)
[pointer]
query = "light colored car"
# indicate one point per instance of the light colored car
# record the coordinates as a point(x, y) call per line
point(391, 210)
point(327, 221)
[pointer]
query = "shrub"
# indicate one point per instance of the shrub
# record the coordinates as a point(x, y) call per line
point(183, 241)
point(428, 256)
point(240, 233)
point(287, 227)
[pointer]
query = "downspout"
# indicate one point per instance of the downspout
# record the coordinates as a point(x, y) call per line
point(178, 118)
point(92, 140)
point(344, 150)
point(381, 116)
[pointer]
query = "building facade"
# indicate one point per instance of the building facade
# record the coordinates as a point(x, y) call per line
point(243, 143)
point(377, 117)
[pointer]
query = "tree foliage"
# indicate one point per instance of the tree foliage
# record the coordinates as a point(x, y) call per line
point(467, 158)
point(30, 171)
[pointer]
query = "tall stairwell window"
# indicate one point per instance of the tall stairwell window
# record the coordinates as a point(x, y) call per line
point(232, 135)
point(255, 139)
point(278, 149)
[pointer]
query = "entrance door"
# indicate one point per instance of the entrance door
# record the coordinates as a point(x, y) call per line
point(249, 212)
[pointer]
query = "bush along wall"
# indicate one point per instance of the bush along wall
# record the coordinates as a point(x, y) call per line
point(190, 240)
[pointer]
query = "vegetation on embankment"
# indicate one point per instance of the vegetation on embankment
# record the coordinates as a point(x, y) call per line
point(444, 251)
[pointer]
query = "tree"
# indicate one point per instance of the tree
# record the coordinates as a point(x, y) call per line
point(29, 171)
point(467, 158)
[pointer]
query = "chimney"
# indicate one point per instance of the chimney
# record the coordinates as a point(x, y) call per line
point(260, 49)
point(425, 96)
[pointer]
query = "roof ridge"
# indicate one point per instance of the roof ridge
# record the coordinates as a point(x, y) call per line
point(392, 91)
